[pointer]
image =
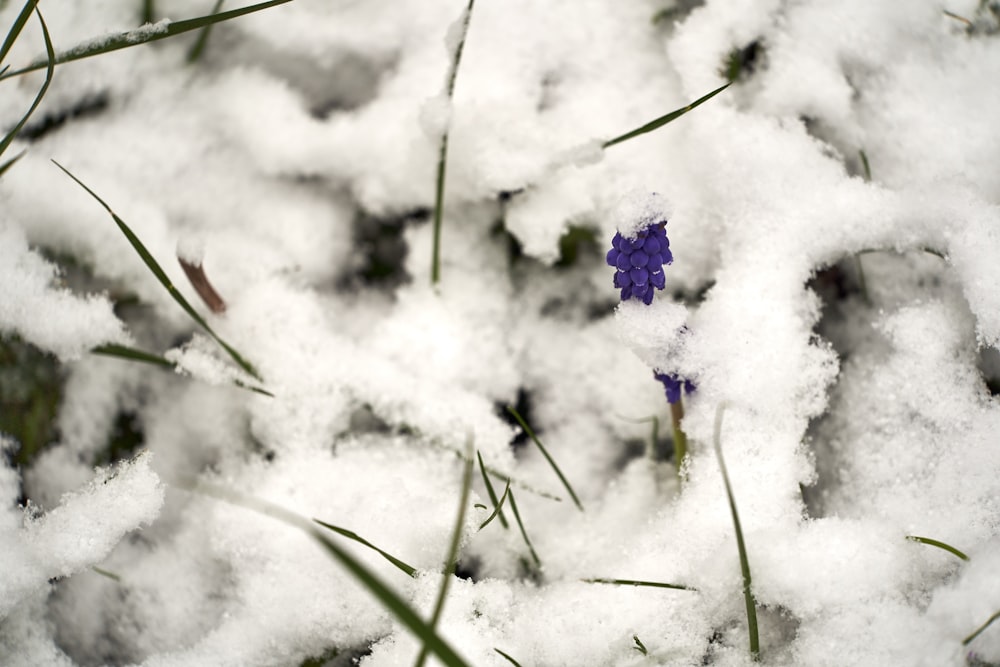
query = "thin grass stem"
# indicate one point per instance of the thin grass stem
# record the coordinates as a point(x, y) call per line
point(636, 582)
point(524, 533)
point(751, 604)
point(663, 120)
point(938, 544)
point(492, 493)
point(508, 658)
point(199, 45)
point(680, 438)
point(639, 646)
point(451, 560)
point(144, 35)
point(968, 640)
point(350, 534)
point(442, 165)
point(545, 453)
point(49, 71)
point(17, 27)
point(498, 508)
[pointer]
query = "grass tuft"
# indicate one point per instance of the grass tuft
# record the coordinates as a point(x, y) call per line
point(663, 120)
point(161, 275)
point(744, 562)
point(545, 453)
point(409, 570)
point(451, 560)
point(939, 545)
point(442, 165)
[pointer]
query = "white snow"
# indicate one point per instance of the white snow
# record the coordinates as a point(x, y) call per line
point(847, 323)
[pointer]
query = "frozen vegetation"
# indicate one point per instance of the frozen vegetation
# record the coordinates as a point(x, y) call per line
point(834, 296)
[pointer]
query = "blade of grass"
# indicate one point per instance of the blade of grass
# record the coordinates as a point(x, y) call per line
point(392, 603)
point(968, 640)
point(10, 163)
point(639, 646)
point(497, 509)
point(744, 561)
point(524, 534)
point(508, 658)
point(493, 472)
point(148, 11)
point(545, 453)
point(144, 35)
point(634, 582)
point(442, 165)
point(663, 120)
point(132, 354)
point(492, 493)
point(17, 27)
point(939, 545)
point(350, 534)
point(196, 50)
point(50, 69)
point(104, 573)
point(451, 560)
point(161, 275)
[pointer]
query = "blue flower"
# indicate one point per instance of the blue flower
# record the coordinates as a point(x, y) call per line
point(639, 261)
point(672, 385)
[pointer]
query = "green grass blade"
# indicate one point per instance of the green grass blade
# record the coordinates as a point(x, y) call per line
point(15, 30)
point(390, 601)
point(350, 534)
point(199, 46)
point(10, 163)
point(744, 562)
point(524, 533)
point(545, 453)
point(148, 11)
point(105, 573)
point(145, 35)
point(639, 646)
point(492, 493)
point(442, 165)
point(968, 640)
point(161, 275)
point(50, 69)
point(132, 354)
point(497, 508)
point(663, 120)
point(865, 165)
point(452, 558)
point(939, 545)
point(635, 582)
point(508, 658)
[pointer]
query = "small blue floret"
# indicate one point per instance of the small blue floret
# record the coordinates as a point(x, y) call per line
point(639, 261)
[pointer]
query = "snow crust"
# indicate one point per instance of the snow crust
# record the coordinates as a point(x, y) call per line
point(848, 323)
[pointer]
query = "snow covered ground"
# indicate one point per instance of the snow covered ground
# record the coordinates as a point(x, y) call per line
point(835, 227)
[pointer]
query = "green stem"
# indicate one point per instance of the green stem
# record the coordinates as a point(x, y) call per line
point(443, 153)
point(680, 439)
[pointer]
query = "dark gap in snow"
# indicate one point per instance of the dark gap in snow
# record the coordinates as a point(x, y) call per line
point(523, 405)
point(90, 105)
point(989, 366)
point(380, 250)
point(31, 389)
point(741, 63)
point(578, 243)
point(126, 436)
point(364, 420)
point(468, 568)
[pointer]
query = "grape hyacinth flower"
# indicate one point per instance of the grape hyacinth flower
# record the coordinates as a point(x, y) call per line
point(639, 261)
point(672, 385)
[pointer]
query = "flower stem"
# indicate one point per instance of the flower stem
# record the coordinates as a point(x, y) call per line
point(680, 439)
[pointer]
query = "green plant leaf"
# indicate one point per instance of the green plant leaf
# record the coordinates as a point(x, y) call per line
point(132, 354)
point(639, 646)
point(199, 46)
point(497, 508)
point(50, 69)
point(442, 165)
point(10, 163)
point(663, 120)
point(635, 582)
point(491, 492)
point(451, 559)
point(161, 275)
point(524, 533)
point(350, 534)
point(545, 453)
point(939, 545)
point(751, 604)
point(508, 658)
point(144, 35)
point(968, 640)
point(17, 27)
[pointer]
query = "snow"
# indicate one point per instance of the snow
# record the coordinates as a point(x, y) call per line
point(848, 324)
